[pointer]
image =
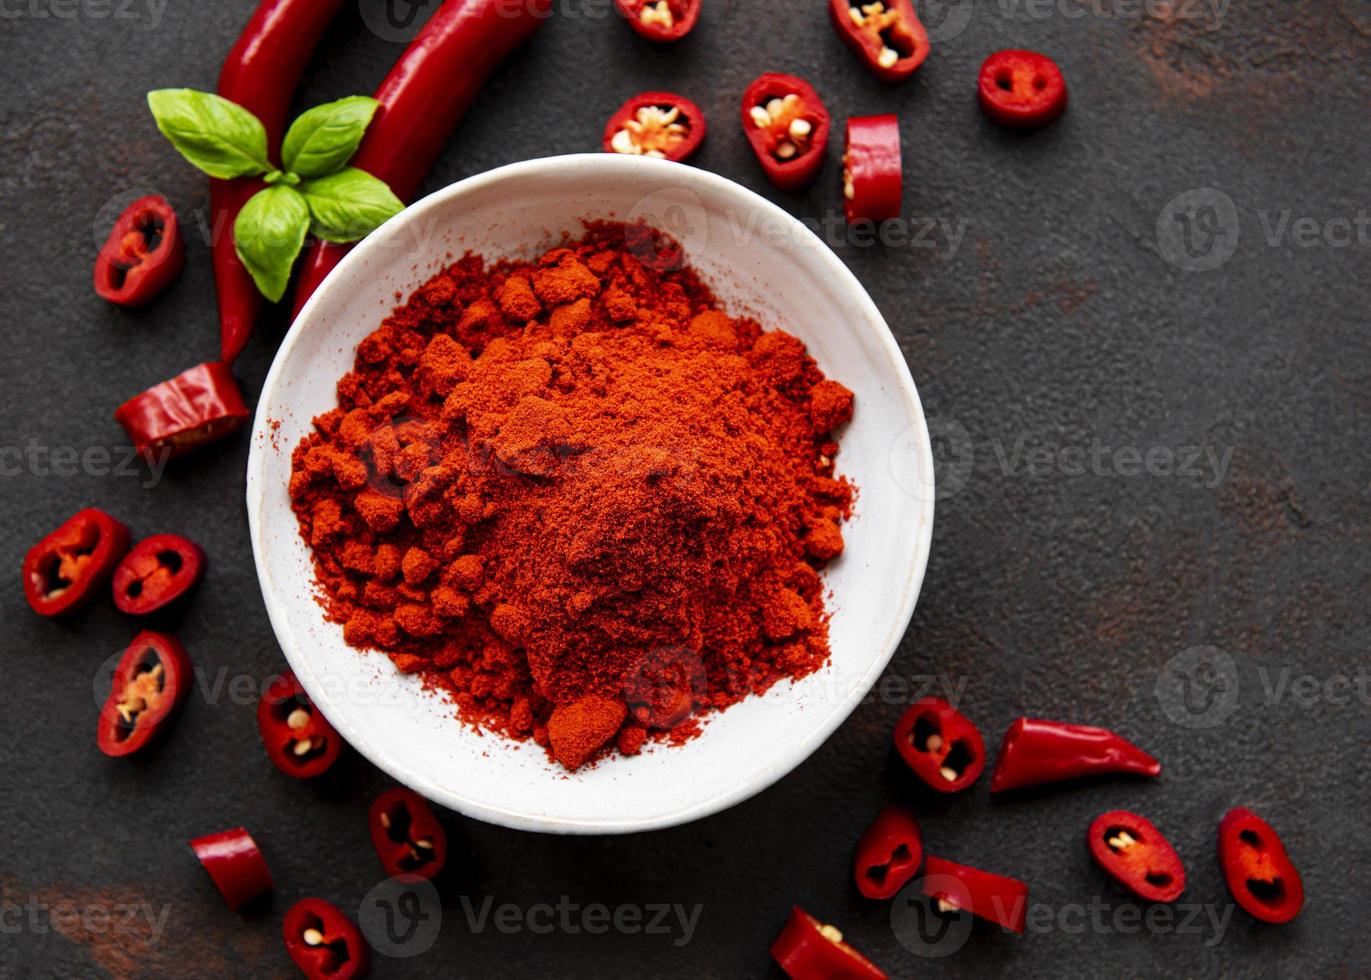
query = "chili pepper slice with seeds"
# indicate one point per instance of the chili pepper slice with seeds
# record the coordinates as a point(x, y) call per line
point(872, 177)
point(151, 681)
point(143, 254)
point(807, 949)
point(235, 865)
point(656, 124)
point(194, 408)
point(940, 745)
point(887, 37)
point(299, 739)
point(787, 125)
point(660, 20)
point(1035, 752)
point(956, 887)
point(64, 571)
point(889, 853)
point(406, 834)
point(323, 942)
point(1021, 89)
point(1261, 876)
point(158, 571)
point(1135, 854)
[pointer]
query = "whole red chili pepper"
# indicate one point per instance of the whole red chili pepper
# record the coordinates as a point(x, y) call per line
point(299, 739)
point(872, 176)
point(1022, 89)
point(63, 571)
point(323, 942)
point(158, 571)
point(940, 745)
point(1036, 751)
point(260, 74)
point(1135, 854)
point(151, 681)
point(407, 836)
point(235, 865)
point(1261, 876)
point(656, 124)
point(992, 897)
point(143, 254)
point(660, 20)
point(889, 854)
point(787, 125)
point(424, 97)
point(887, 36)
point(194, 408)
point(807, 949)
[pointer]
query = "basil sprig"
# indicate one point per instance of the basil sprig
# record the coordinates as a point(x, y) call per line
point(316, 194)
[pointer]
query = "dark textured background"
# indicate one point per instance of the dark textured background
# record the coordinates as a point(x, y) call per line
point(1057, 322)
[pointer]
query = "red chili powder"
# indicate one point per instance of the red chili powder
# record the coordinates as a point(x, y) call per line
point(578, 497)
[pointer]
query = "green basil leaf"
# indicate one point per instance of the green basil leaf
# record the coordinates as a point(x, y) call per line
point(324, 139)
point(349, 205)
point(220, 137)
point(268, 235)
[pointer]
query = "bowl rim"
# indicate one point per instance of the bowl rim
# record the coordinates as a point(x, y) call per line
point(698, 181)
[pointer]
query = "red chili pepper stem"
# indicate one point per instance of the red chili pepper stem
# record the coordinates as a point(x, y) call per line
point(65, 570)
point(656, 124)
point(1036, 752)
point(143, 255)
point(1257, 869)
point(151, 680)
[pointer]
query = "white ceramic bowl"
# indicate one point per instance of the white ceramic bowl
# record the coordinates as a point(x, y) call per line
point(758, 259)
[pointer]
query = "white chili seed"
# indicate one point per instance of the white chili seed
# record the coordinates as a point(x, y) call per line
point(775, 107)
point(301, 748)
point(856, 16)
point(934, 743)
point(656, 154)
point(425, 843)
point(760, 117)
point(623, 142)
point(948, 773)
point(385, 820)
point(849, 191)
point(945, 905)
point(830, 933)
point(298, 718)
point(1122, 841)
point(785, 151)
point(800, 129)
point(313, 937)
point(888, 58)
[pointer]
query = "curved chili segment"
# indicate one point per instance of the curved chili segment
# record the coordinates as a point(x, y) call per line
point(323, 942)
point(143, 254)
point(787, 125)
point(194, 408)
point(158, 571)
point(299, 739)
point(151, 681)
point(887, 37)
point(872, 175)
point(1261, 876)
point(660, 20)
point(406, 834)
point(995, 898)
point(1135, 854)
point(1021, 89)
point(656, 124)
point(1035, 752)
point(235, 865)
point(63, 571)
point(807, 949)
point(889, 854)
point(940, 745)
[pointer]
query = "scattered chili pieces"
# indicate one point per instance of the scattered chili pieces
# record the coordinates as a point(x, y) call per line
point(940, 745)
point(656, 124)
point(995, 898)
point(143, 254)
point(1021, 89)
point(323, 942)
point(889, 853)
point(235, 865)
point(807, 949)
point(299, 739)
point(64, 571)
point(787, 125)
point(1035, 752)
point(887, 37)
point(406, 834)
point(1133, 852)
point(1261, 876)
point(196, 407)
point(872, 175)
point(151, 681)
point(158, 571)
point(660, 20)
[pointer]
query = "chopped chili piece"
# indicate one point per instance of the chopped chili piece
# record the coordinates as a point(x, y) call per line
point(787, 125)
point(1036, 751)
point(235, 865)
point(940, 745)
point(889, 853)
point(299, 739)
point(656, 124)
point(1021, 89)
point(143, 254)
point(63, 571)
point(1261, 876)
point(887, 37)
point(995, 898)
point(323, 942)
point(407, 835)
point(660, 20)
point(872, 178)
point(192, 409)
point(1135, 854)
point(158, 571)
point(807, 949)
point(151, 681)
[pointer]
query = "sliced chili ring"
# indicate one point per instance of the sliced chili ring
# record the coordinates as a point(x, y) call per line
point(888, 37)
point(1021, 89)
point(940, 745)
point(143, 254)
point(889, 853)
point(1135, 854)
point(196, 407)
point(235, 865)
point(808, 949)
point(63, 571)
point(157, 572)
point(298, 738)
point(660, 20)
point(872, 175)
point(151, 681)
point(323, 942)
point(787, 125)
point(656, 124)
point(406, 834)
point(957, 887)
point(1259, 873)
